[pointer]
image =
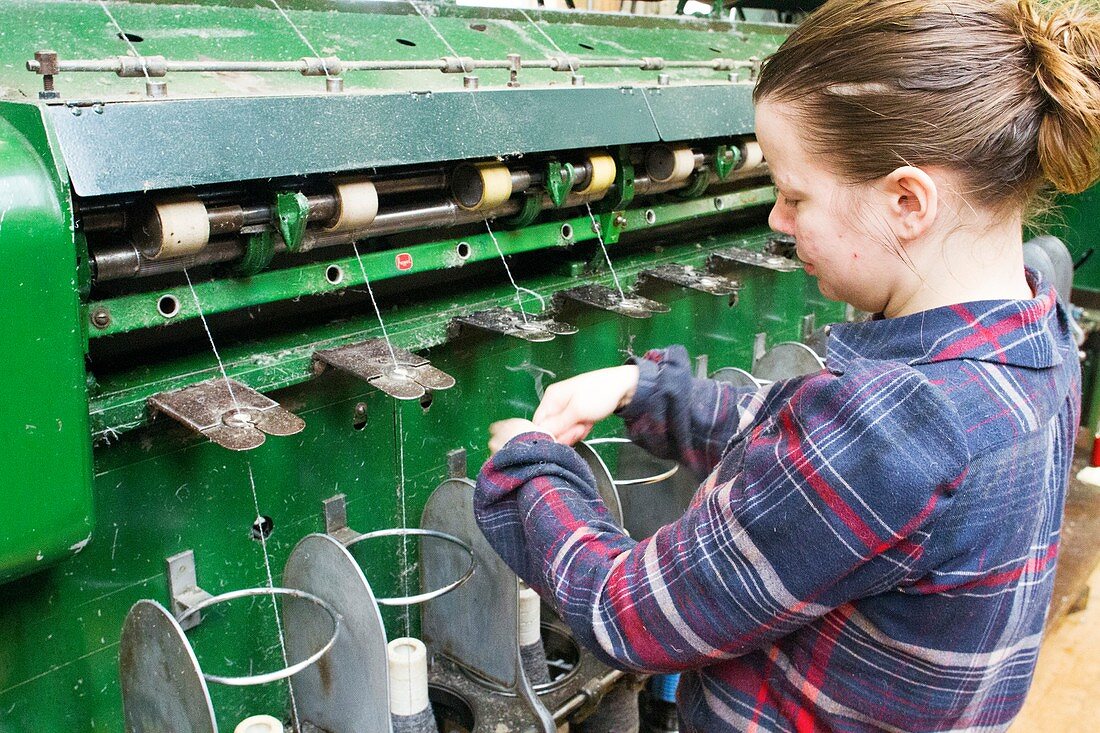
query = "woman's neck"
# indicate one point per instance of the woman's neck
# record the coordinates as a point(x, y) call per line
point(962, 267)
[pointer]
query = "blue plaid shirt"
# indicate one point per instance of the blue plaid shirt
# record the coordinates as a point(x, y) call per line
point(873, 547)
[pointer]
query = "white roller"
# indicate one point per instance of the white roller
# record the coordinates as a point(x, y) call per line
point(530, 617)
point(356, 205)
point(683, 165)
point(175, 228)
point(753, 156)
point(408, 658)
point(259, 724)
point(496, 186)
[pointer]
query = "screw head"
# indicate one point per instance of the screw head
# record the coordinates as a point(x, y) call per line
point(100, 317)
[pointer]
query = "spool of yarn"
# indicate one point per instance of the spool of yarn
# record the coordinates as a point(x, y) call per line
point(531, 651)
point(410, 708)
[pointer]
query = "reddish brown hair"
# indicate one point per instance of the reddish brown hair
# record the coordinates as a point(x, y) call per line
point(1004, 93)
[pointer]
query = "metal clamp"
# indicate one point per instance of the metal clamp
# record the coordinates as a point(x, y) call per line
point(415, 532)
point(526, 326)
point(645, 480)
point(686, 276)
point(279, 674)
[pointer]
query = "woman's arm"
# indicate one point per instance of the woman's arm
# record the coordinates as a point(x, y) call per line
point(833, 500)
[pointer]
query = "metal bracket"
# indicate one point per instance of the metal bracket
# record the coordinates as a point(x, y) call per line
point(726, 159)
point(258, 253)
point(560, 178)
point(608, 299)
point(336, 519)
point(400, 374)
point(536, 328)
point(622, 190)
point(759, 347)
point(700, 179)
point(528, 212)
point(456, 463)
point(227, 413)
point(292, 214)
point(735, 258)
point(687, 276)
point(183, 588)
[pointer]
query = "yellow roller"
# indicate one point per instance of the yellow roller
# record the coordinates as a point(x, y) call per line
point(174, 228)
point(752, 156)
point(603, 175)
point(356, 205)
point(484, 186)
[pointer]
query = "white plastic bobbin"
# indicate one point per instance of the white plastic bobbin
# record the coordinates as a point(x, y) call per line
point(753, 156)
point(665, 164)
point(259, 724)
point(174, 228)
point(530, 617)
point(408, 658)
point(603, 175)
point(356, 205)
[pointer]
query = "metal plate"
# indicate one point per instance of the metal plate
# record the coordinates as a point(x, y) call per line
point(687, 276)
point(399, 373)
point(609, 299)
point(162, 685)
point(141, 146)
point(535, 328)
point(476, 625)
point(227, 412)
point(605, 482)
point(347, 691)
point(735, 258)
point(728, 110)
point(787, 360)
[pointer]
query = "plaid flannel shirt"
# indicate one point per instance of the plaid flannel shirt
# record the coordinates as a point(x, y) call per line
point(873, 547)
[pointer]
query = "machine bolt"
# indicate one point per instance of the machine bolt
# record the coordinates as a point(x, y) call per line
point(620, 221)
point(578, 80)
point(48, 68)
point(513, 69)
point(664, 80)
point(156, 89)
point(334, 84)
point(100, 317)
point(470, 81)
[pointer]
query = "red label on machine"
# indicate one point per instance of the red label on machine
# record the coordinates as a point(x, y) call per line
point(404, 261)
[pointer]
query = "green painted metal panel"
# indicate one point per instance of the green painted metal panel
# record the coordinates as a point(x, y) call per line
point(45, 497)
point(140, 146)
point(696, 112)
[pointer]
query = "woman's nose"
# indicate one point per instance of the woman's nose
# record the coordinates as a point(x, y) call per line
point(779, 220)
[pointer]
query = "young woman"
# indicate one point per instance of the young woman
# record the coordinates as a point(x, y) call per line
point(874, 546)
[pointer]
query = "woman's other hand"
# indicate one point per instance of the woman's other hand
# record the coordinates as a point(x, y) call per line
point(571, 407)
point(502, 431)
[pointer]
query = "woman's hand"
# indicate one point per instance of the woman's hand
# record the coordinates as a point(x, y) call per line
point(571, 407)
point(502, 431)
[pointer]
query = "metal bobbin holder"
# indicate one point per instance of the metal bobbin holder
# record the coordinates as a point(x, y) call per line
point(163, 684)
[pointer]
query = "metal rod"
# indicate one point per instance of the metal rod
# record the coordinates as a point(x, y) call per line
point(157, 66)
point(590, 691)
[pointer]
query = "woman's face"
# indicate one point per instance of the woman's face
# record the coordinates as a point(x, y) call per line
point(833, 222)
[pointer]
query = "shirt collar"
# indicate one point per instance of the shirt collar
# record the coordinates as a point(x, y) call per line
point(1012, 332)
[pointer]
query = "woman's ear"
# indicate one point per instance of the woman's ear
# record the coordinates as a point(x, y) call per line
point(913, 202)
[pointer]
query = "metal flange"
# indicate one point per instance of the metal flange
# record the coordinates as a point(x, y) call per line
point(227, 412)
point(687, 276)
point(536, 328)
point(609, 299)
point(399, 373)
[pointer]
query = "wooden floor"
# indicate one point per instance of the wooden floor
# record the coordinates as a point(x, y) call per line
point(1065, 695)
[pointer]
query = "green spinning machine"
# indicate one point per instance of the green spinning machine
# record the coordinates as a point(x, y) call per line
point(270, 273)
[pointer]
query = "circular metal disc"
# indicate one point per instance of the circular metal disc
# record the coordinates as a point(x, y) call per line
point(162, 685)
point(786, 360)
point(736, 377)
point(605, 482)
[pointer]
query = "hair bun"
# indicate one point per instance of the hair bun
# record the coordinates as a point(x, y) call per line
point(1064, 39)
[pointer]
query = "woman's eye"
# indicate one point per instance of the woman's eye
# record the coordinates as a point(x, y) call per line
point(793, 203)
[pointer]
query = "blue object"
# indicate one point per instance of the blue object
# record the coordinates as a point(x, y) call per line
point(663, 687)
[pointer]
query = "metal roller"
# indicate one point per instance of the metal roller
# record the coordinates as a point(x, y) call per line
point(666, 164)
point(356, 205)
point(603, 175)
point(481, 186)
point(173, 228)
